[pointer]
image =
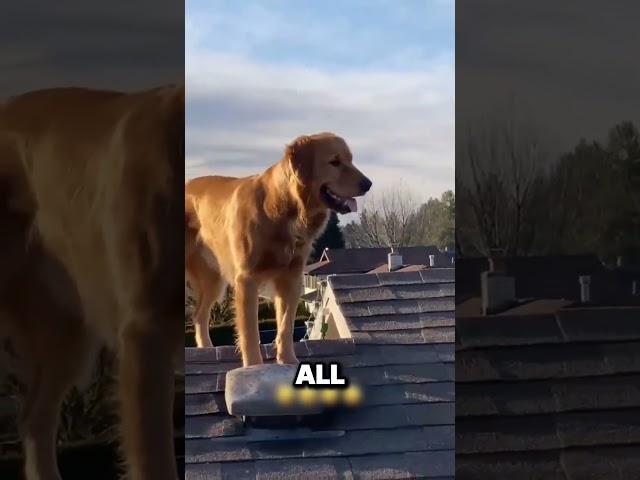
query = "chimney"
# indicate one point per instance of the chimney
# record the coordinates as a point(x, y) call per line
point(498, 288)
point(432, 260)
point(585, 290)
point(394, 260)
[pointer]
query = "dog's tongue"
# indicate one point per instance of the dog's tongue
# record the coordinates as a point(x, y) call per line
point(352, 204)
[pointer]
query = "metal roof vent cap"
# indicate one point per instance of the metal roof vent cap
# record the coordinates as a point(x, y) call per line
point(585, 288)
point(394, 260)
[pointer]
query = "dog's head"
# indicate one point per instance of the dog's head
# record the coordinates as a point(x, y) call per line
point(322, 164)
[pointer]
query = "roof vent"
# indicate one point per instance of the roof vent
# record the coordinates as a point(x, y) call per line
point(498, 292)
point(634, 288)
point(432, 260)
point(394, 260)
point(585, 288)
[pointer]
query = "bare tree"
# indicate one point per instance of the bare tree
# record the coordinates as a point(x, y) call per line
point(388, 218)
point(500, 167)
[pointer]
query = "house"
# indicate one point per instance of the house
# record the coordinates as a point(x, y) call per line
point(343, 261)
point(393, 334)
point(547, 387)
point(555, 277)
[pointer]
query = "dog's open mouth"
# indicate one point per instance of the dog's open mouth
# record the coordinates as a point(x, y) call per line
point(336, 202)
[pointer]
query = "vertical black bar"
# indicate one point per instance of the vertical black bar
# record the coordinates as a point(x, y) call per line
point(547, 218)
point(91, 198)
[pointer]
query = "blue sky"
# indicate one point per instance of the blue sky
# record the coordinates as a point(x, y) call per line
point(379, 73)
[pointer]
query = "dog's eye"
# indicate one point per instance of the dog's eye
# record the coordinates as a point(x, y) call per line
point(335, 162)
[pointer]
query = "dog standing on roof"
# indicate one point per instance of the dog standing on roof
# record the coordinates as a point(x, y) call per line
point(257, 232)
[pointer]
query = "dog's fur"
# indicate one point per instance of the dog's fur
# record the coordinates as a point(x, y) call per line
point(258, 232)
point(91, 186)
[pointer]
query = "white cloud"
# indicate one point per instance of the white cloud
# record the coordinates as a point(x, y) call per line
point(241, 112)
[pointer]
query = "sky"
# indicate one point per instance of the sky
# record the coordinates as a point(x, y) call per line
point(107, 45)
point(378, 73)
point(568, 69)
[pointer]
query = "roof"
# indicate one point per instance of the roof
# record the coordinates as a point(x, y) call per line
point(406, 268)
point(473, 307)
point(552, 276)
point(361, 260)
point(401, 350)
point(553, 394)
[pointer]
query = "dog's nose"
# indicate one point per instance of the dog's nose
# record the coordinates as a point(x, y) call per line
point(365, 185)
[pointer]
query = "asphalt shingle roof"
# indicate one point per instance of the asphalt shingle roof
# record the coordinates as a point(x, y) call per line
point(361, 260)
point(549, 395)
point(402, 353)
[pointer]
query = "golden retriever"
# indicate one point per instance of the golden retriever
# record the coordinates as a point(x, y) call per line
point(258, 232)
point(91, 186)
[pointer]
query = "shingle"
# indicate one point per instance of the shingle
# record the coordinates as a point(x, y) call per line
point(388, 307)
point(192, 355)
point(411, 393)
point(394, 374)
point(396, 416)
point(209, 368)
point(438, 275)
point(515, 465)
point(204, 471)
point(403, 466)
point(357, 442)
point(613, 463)
point(588, 324)
point(304, 469)
point(547, 361)
point(401, 322)
point(227, 353)
point(543, 432)
point(505, 330)
point(202, 383)
point(376, 355)
point(399, 278)
point(238, 471)
point(338, 282)
point(396, 292)
point(498, 434)
point(606, 427)
point(202, 403)
point(216, 425)
point(323, 348)
point(406, 337)
point(534, 397)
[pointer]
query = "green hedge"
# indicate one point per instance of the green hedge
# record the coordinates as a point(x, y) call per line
point(225, 334)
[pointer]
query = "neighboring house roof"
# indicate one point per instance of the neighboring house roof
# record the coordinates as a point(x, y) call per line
point(553, 276)
point(407, 268)
point(362, 260)
point(472, 307)
point(401, 351)
point(549, 395)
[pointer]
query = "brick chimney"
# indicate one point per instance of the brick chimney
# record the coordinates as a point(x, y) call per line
point(498, 288)
point(394, 260)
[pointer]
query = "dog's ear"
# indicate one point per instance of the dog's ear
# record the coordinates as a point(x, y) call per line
point(299, 155)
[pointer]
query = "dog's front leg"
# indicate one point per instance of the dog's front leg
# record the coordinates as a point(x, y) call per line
point(146, 386)
point(288, 288)
point(246, 291)
point(39, 428)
